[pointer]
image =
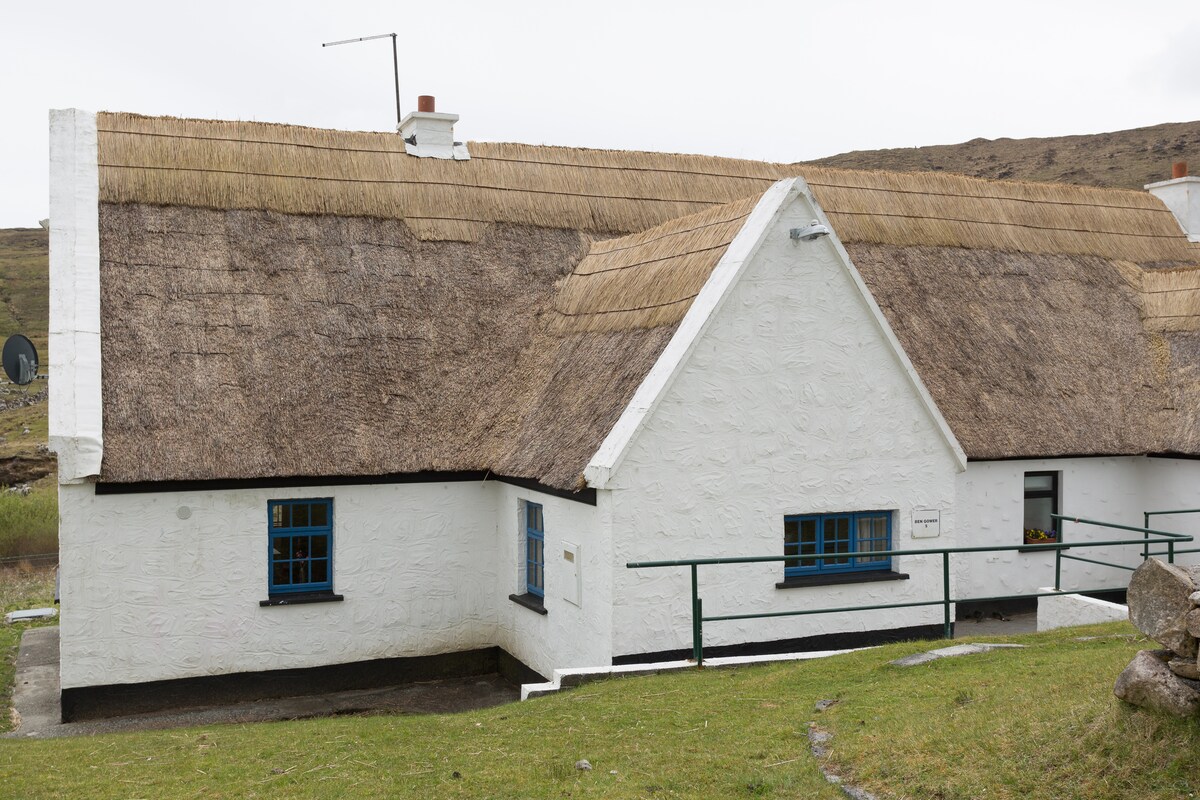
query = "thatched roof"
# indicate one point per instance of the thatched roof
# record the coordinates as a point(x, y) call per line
point(342, 308)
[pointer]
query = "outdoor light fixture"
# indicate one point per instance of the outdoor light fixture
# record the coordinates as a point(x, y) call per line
point(813, 230)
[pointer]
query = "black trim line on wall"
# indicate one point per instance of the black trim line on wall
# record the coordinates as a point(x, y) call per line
point(1180, 456)
point(98, 702)
point(804, 644)
point(586, 496)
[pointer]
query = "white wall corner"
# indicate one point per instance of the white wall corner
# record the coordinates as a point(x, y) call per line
point(951, 441)
point(711, 297)
point(75, 403)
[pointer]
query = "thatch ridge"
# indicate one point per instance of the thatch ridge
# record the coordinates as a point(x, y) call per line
point(293, 169)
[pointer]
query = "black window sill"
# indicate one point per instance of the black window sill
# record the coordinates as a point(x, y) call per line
point(530, 601)
point(301, 599)
point(835, 579)
point(1040, 548)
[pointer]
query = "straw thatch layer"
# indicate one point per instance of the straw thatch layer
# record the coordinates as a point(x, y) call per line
point(252, 165)
point(248, 344)
point(648, 279)
point(1171, 299)
point(282, 301)
point(1028, 355)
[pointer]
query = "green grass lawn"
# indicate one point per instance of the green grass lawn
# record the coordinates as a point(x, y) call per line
point(19, 589)
point(1035, 723)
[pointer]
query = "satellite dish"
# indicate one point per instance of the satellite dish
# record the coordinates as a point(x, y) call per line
point(20, 360)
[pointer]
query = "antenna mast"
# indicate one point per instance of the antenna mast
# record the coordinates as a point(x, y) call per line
point(395, 61)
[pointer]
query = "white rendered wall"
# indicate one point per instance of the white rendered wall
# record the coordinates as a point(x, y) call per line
point(792, 401)
point(1069, 610)
point(567, 635)
point(1109, 489)
point(75, 409)
point(147, 595)
point(1173, 484)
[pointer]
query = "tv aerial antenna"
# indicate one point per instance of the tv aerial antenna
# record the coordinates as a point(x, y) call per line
point(395, 61)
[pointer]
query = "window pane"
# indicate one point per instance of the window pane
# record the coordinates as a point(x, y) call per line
point(320, 515)
point(300, 515)
point(299, 572)
point(280, 574)
point(300, 547)
point(1037, 513)
point(320, 546)
point(320, 570)
point(276, 516)
point(284, 516)
point(279, 548)
point(791, 542)
point(872, 536)
point(809, 541)
point(837, 539)
point(1039, 483)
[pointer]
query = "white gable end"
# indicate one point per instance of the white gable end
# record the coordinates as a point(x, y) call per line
point(792, 397)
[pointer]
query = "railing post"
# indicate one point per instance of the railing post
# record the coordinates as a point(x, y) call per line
point(695, 618)
point(1146, 535)
point(1058, 568)
point(699, 632)
point(1170, 551)
point(947, 631)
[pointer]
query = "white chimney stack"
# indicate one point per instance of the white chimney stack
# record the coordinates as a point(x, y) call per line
point(1181, 194)
point(428, 134)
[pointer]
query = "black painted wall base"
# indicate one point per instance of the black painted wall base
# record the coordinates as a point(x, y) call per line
point(96, 702)
point(804, 644)
point(969, 609)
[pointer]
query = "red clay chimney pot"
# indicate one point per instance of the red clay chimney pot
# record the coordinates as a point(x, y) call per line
point(425, 102)
point(1179, 169)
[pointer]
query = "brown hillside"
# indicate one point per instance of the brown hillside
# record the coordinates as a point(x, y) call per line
point(1126, 159)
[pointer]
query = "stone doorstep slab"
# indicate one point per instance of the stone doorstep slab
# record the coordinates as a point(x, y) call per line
point(950, 652)
point(569, 678)
point(32, 613)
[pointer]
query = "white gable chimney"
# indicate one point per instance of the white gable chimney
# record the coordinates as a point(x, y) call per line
point(428, 134)
point(1181, 194)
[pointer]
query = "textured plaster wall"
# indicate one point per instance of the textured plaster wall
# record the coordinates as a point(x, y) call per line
point(1173, 484)
point(567, 635)
point(791, 402)
point(149, 595)
point(1069, 610)
point(991, 498)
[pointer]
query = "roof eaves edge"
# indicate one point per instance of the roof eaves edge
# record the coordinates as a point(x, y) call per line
point(708, 302)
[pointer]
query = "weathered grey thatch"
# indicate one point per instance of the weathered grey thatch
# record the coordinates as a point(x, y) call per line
point(282, 301)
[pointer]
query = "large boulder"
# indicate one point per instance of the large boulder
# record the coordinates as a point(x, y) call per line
point(1149, 683)
point(1192, 621)
point(1159, 604)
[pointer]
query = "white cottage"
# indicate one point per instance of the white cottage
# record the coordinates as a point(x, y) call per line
point(334, 408)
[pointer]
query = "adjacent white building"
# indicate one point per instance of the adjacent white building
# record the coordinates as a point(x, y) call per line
point(335, 408)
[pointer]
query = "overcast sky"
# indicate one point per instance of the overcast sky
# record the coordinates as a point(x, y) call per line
point(781, 81)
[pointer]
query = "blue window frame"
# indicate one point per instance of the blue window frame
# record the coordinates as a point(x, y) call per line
point(854, 534)
point(301, 545)
point(535, 550)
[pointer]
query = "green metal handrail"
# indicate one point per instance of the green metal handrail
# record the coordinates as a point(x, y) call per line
point(698, 618)
point(1146, 515)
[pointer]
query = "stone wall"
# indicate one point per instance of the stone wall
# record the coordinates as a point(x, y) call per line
point(1163, 604)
